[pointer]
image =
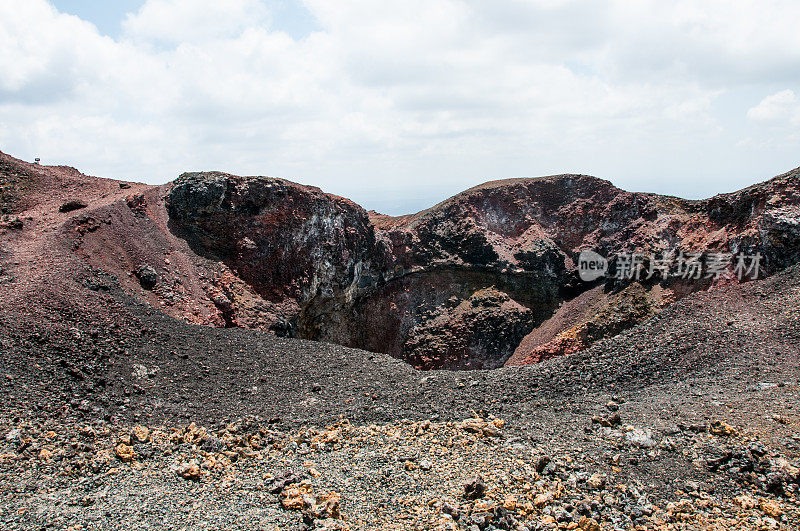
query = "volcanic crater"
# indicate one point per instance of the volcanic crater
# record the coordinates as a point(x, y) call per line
point(484, 279)
point(129, 310)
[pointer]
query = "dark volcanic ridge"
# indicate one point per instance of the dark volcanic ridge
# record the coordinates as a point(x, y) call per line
point(483, 279)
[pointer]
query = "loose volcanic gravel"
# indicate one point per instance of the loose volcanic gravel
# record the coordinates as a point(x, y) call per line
point(685, 422)
point(403, 475)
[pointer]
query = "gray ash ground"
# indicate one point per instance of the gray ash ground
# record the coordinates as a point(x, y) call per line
point(402, 475)
point(722, 358)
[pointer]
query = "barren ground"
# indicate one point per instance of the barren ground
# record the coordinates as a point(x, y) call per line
point(248, 431)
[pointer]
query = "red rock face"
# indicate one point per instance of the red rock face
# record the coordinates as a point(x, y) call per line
point(461, 284)
point(483, 279)
point(283, 239)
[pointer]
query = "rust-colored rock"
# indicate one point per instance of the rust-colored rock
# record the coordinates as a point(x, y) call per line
point(125, 453)
point(460, 285)
point(140, 434)
point(190, 471)
point(484, 279)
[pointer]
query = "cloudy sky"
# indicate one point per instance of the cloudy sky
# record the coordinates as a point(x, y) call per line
point(400, 104)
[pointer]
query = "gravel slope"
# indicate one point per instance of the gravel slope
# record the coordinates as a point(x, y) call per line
point(105, 360)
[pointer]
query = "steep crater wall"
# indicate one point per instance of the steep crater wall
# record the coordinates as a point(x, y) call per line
point(483, 279)
point(439, 318)
point(332, 276)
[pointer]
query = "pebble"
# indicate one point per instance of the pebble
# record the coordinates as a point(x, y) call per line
point(474, 488)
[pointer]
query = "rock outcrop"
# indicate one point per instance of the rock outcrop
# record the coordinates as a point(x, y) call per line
point(461, 284)
point(485, 278)
point(304, 252)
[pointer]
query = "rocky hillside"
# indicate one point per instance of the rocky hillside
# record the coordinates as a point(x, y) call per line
point(463, 284)
point(483, 279)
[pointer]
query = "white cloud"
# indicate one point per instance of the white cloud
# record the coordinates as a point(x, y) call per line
point(40, 64)
point(409, 96)
point(180, 21)
point(780, 108)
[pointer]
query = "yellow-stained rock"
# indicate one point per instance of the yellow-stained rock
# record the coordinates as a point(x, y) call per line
point(483, 506)
point(292, 498)
point(124, 452)
point(770, 508)
point(140, 434)
point(719, 427)
point(473, 425)
point(301, 497)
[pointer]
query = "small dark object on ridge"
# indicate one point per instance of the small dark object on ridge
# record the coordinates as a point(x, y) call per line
point(147, 275)
point(74, 204)
point(12, 222)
